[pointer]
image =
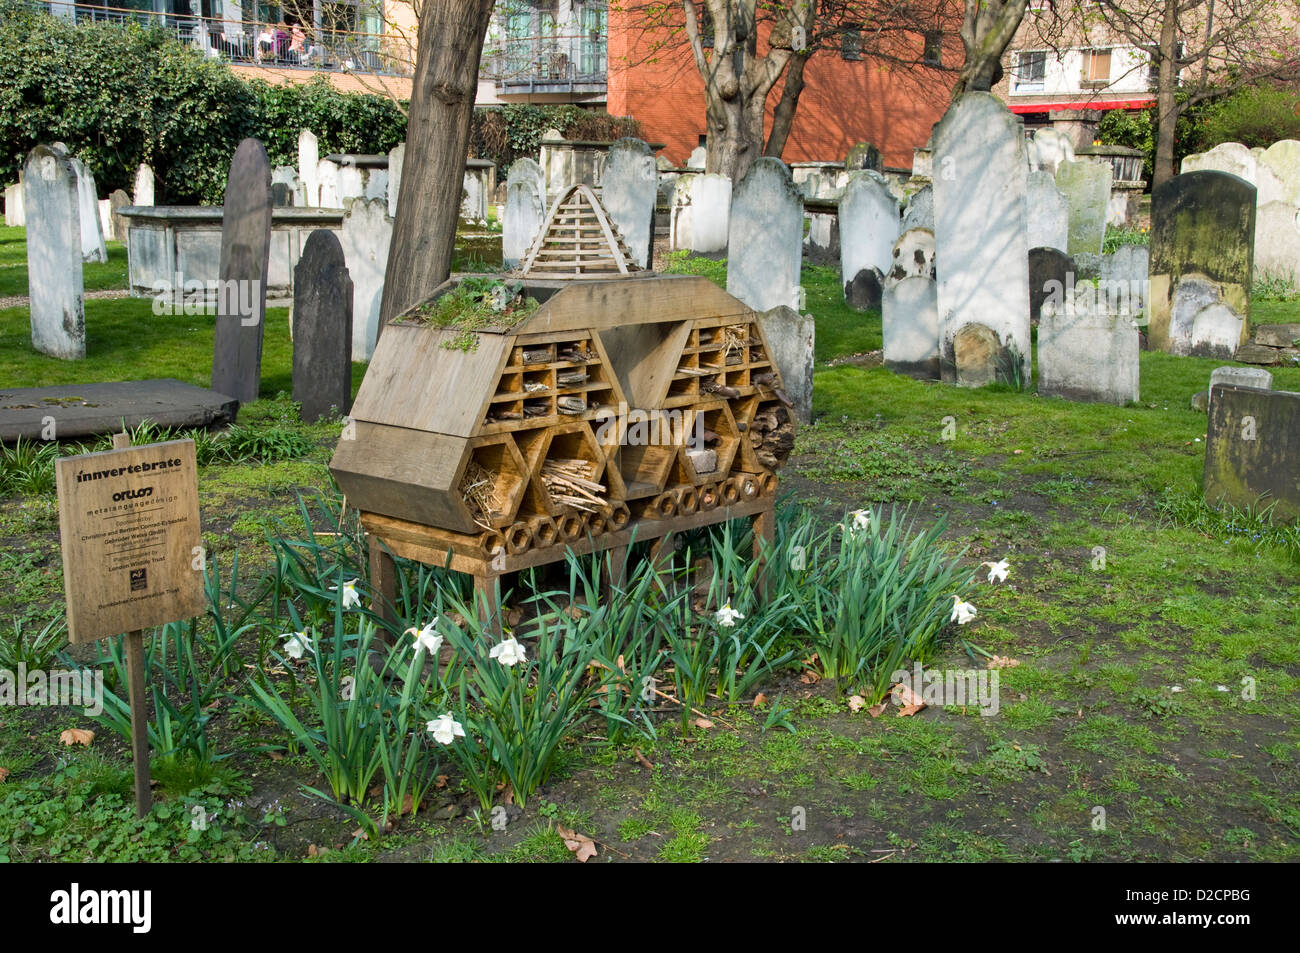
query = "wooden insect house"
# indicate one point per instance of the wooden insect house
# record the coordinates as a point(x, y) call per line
point(579, 404)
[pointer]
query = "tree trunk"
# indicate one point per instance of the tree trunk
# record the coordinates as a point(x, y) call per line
point(783, 116)
point(987, 29)
point(437, 141)
point(1166, 96)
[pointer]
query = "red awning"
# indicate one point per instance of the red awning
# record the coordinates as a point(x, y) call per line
point(1083, 104)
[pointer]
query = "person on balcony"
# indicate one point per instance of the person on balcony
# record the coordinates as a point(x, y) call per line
point(265, 43)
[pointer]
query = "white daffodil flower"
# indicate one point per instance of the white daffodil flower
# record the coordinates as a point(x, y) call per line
point(962, 612)
point(997, 570)
point(299, 644)
point(508, 652)
point(426, 638)
point(861, 520)
point(446, 729)
point(351, 599)
point(727, 616)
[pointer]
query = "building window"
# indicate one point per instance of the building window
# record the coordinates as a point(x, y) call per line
point(851, 43)
point(1096, 68)
point(932, 54)
point(1031, 70)
point(595, 25)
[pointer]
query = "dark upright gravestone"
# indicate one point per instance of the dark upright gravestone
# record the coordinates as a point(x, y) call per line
point(1046, 265)
point(281, 195)
point(863, 156)
point(241, 289)
point(322, 328)
point(1252, 450)
point(1202, 225)
point(118, 223)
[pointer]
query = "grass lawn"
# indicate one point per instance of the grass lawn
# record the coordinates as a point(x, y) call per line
point(1149, 694)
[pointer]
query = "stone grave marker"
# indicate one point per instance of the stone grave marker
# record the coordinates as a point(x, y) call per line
point(696, 160)
point(54, 282)
point(1277, 241)
point(327, 181)
point(241, 290)
point(630, 190)
point(869, 226)
point(1252, 451)
point(863, 156)
point(322, 328)
point(1047, 212)
point(309, 166)
point(118, 223)
point(913, 255)
point(14, 217)
point(920, 209)
point(1086, 186)
point(367, 233)
point(981, 255)
point(765, 244)
point(143, 193)
point(711, 215)
point(1086, 351)
point(1050, 269)
point(397, 159)
point(92, 231)
point(1048, 149)
point(791, 336)
point(281, 195)
point(525, 210)
point(910, 322)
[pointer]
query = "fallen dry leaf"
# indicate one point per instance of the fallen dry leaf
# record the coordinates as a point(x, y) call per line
point(440, 782)
point(276, 755)
point(908, 710)
point(760, 700)
point(314, 851)
point(1003, 661)
point(4, 773)
point(645, 762)
point(77, 736)
point(810, 678)
point(905, 697)
point(583, 847)
point(875, 711)
point(360, 832)
point(857, 703)
point(702, 723)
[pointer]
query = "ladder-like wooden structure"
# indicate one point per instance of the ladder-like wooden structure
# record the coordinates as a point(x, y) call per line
point(578, 241)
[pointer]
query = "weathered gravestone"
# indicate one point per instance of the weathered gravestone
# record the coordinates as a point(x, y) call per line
point(630, 189)
point(711, 216)
point(1086, 351)
point(241, 289)
point(1048, 149)
point(920, 209)
point(1047, 213)
point(92, 232)
point(910, 323)
point(1238, 377)
point(1277, 241)
point(981, 253)
point(1050, 270)
point(765, 243)
point(367, 233)
point(352, 183)
point(327, 183)
point(1283, 160)
point(14, 217)
point(322, 328)
point(791, 337)
point(143, 193)
point(863, 156)
point(913, 255)
point(396, 160)
point(281, 195)
point(309, 166)
point(118, 223)
point(293, 193)
point(696, 160)
point(525, 210)
point(1203, 226)
point(1252, 450)
point(54, 254)
point(376, 184)
point(869, 226)
point(1087, 190)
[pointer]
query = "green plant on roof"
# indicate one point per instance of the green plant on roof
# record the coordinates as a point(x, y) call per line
point(476, 304)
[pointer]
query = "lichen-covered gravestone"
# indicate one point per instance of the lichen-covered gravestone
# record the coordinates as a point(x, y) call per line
point(525, 210)
point(54, 254)
point(630, 188)
point(1087, 190)
point(791, 337)
point(920, 209)
point(241, 290)
point(1252, 451)
point(1087, 351)
point(981, 253)
point(910, 323)
point(1203, 229)
point(765, 242)
point(1047, 213)
point(367, 233)
point(869, 226)
point(322, 328)
point(1048, 149)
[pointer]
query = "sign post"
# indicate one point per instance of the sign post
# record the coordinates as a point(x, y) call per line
point(129, 530)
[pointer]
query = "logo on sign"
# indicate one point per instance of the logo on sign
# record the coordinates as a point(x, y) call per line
point(139, 579)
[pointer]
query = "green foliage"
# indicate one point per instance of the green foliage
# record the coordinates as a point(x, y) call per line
point(33, 651)
point(122, 94)
point(504, 133)
point(27, 467)
point(1123, 235)
point(477, 303)
point(1137, 129)
point(1256, 116)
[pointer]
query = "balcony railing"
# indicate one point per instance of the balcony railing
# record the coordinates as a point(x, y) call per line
point(551, 61)
point(262, 44)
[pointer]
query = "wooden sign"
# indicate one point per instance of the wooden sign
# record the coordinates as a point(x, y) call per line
point(129, 525)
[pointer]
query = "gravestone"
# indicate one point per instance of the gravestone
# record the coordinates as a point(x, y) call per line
point(863, 156)
point(1128, 263)
point(309, 166)
point(681, 211)
point(1230, 157)
point(913, 256)
point(1252, 450)
point(790, 338)
point(118, 223)
point(696, 160)
point(376, 184)
point(14, 217)
point(144, 186)
point(1048, 149)
point(105, 211)
point(1046, 267)
point(54, 281)
point(1283, 160)
point(978, 356)
point(92, 232)
point(327, 182)
point(920, 209)
point(473, 203)
point(352, 184)
point(1202, 224)
point(1277, 241)
point(322, 328)
point(525, 210)
point(241, 291)
point(910, 324)
point(765, 242)
point(1087, 191)
point(367, 233)
point(281, 195)
point(397, 159)
point(1047, 212)
point(700, 213)
point(287, 176)
point(1086, 351)
point(864, 291)
point(1217, 331)
point(869, 226)
point(1238, 377)
point(629, 193)
point(981, 254)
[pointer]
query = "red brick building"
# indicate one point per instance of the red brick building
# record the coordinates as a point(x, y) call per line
point(847, 99)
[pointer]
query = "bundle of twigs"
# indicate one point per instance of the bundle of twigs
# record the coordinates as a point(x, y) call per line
point(478, 488)
point(735, 337)
point(569, 483)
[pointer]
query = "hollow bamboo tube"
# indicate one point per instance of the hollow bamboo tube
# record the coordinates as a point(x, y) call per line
point(597, 524)
point(491, 542)
point(748, 487)
point(570, 525)
point(767, 483)
point(619, 516)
